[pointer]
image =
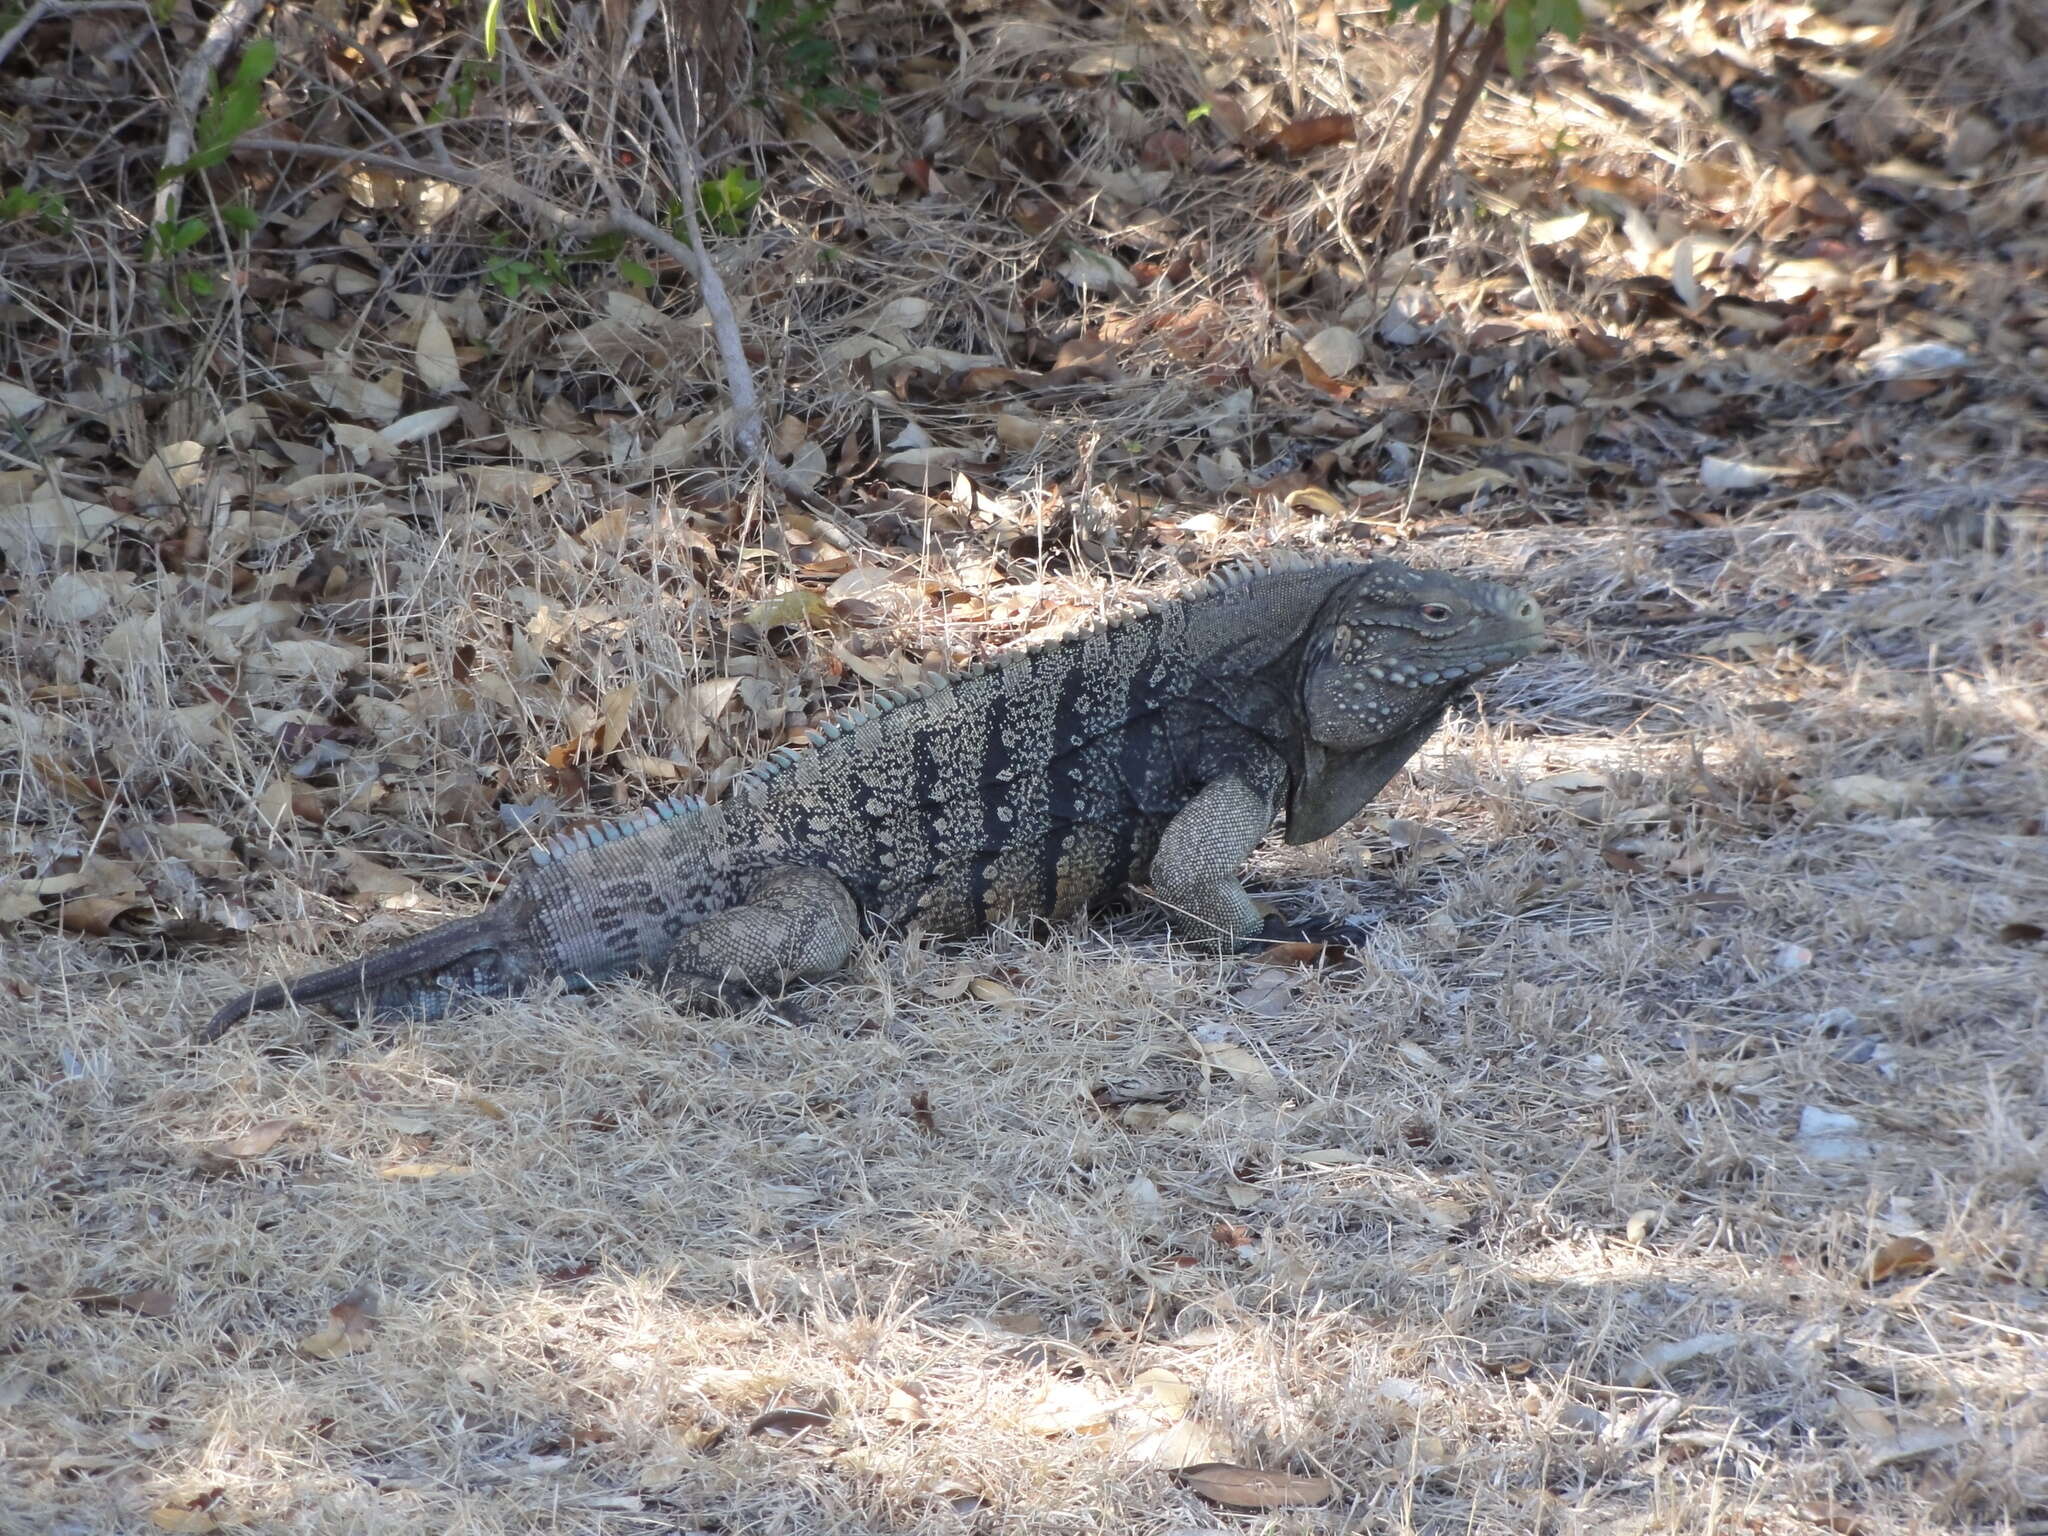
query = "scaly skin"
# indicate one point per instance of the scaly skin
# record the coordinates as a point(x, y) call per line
point(1160, 748)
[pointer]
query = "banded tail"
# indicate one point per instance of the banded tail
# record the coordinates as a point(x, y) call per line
point(490, 955)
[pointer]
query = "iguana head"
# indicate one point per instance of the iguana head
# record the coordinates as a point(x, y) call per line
point(1388, 652)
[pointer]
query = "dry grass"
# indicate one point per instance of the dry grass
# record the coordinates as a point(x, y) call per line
point(1506, 1223)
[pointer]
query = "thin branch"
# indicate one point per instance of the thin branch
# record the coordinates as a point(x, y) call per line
point(227, 25)
point(747, 433)
point(1468, 97)
point(725, 322)
point(52, 10)
point(1425, 113)
point(422, 170)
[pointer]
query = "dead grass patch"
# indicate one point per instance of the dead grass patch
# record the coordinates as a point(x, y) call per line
point(1667, 1155)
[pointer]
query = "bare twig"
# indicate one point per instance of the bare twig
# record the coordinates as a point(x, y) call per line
point(439, 170)
point(51, 10)
point(1490, 46)
point(227, 25)
point(746, 427)
point(725, 323)
point(1425, 113)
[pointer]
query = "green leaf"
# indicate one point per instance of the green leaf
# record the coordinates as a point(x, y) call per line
point(727, 201)
point(258, 60)
point(1518, 30)
point(634, 273)
point(241, 218)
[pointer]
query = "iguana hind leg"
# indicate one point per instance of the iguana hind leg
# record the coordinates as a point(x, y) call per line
point(1195, 871)
point(795, 923)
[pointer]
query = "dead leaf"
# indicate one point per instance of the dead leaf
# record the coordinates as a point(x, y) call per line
point(1295, 952)
point(1558, 230)
point(1307, 133)
point(99, 917)
point(386, 886)
point(434, 355)
point(420, 424)
point(1336, 349)
point(614, 712)
point(1066, 1408)
point(1253, 1074)
point(1236, 1487)
point(1096, 271)
point(1723, 474)
point(788, 1423)
point(1575, 789)
point(1018, 433)
point(185, 1519)
point(906, 1405)
point(339, 390)
point(425, 1170)
point(1830, 1516)
point(351, 1323)
point(1654, 1362)
point(1436, 488)
point(145, 1302)
point(506, 486)
point(258, 1139)
point(1869, 792)
point(1896, 1257)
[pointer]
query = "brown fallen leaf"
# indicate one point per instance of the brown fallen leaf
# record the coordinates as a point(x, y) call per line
point(351, 1322)
point(258, 1139)
point(788, 1423)
point(101, 917)
point(906, 1405)
point(1297, 952)
point(1307, 133)
point(425, 1171)
point(146, 1302)
point(1436, 488)
point(1896, 1257)
point(1830, 1516)
point(190, 1519)
point(1236, 1487)
point(1658, 1359)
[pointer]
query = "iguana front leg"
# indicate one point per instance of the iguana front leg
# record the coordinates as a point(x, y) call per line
point(795, 923)
point(1195, 871)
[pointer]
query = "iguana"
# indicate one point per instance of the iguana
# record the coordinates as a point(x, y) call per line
point(1157, 748)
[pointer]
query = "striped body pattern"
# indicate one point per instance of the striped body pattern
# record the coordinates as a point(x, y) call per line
point(1041, 783)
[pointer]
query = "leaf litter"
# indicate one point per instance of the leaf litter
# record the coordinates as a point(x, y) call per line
point(303, 655)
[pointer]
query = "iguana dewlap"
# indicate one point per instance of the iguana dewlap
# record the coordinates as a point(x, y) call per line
point(1158, 749)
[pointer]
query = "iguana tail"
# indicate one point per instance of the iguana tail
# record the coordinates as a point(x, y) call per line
point(490, 955)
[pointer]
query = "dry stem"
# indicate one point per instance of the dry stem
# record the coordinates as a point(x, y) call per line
point(227, 25)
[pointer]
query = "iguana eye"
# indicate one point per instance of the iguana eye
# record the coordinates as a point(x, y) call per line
point(1436, 613)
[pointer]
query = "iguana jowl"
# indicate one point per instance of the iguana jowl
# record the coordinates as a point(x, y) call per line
point(1159, 748)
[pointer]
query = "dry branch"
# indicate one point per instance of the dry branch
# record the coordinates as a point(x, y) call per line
point(227, 25)
point(747, 431)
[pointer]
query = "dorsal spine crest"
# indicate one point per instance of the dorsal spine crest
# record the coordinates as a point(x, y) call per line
point(1229, 578)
